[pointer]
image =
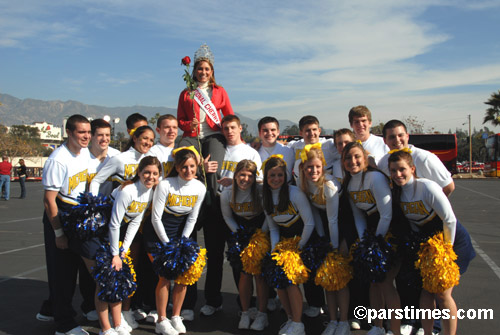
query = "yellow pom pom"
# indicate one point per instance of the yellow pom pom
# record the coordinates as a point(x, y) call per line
point(191, 275)
point(436, 261)
point(252, 255)
point(335, 272)
point(287, 255)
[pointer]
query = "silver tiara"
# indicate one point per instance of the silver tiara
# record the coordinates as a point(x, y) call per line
point(204, 53)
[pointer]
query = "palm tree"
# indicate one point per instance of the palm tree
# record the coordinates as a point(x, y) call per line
point(493, 112)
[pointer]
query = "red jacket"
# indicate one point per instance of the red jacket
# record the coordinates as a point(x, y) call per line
point(185, 112)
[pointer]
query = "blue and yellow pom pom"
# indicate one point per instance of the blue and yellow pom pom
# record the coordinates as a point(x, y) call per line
point(191, 275)
point(287, 255)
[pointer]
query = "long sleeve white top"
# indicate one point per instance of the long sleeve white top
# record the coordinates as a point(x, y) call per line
point(130, 204)
point(120, 168)
point(298, 208)
point(244, 206)
point(179, 197)
point(422, 200)
point(330, 205)
point(368, 195)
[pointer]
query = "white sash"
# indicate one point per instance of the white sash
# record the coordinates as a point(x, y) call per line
point(207, 105)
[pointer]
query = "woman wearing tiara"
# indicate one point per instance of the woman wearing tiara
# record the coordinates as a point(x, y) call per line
point(198, 113)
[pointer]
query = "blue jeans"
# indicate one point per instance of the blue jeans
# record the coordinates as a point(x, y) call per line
point(22, 181)
point(5, 180)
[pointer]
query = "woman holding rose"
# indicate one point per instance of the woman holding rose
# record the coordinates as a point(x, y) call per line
point(199, 109)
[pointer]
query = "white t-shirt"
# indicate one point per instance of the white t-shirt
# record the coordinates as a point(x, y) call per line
point(95, 165)
point(66, 173)
point(376, 147)
point(422, 200)
point(130, 204)
point(164, 155)
point(329, 152)
point(235, 154)
point(176, 196)
point(280, 149)
point(120, 168)
point(427, 165)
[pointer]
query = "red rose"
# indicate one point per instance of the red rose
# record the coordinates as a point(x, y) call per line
point(186, 60)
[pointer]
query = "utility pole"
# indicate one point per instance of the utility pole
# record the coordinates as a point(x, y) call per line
point(470, 149)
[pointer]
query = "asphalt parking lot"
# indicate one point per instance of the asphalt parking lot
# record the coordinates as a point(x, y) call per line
point(23, 277)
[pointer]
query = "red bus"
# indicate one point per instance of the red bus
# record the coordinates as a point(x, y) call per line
point(492, 161)
point(442, 145)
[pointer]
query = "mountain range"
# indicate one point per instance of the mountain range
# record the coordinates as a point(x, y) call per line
point(15, 111)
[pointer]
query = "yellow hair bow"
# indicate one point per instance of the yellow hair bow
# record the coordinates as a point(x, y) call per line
point(307, 148)
point(359, 142)
point(396, 150)
point(272, 156)
point(132, 131)
point(190, 148)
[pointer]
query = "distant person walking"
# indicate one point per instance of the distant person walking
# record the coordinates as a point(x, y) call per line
point(21, 173)
point(5, 169)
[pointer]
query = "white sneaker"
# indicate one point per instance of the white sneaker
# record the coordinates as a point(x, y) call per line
point(165, 328)
point(152, 317)
point(92, 315)
point(389, 333)
point(129, 317)
point(343, 328)
point(187, 314)
point(355, 324)
point(75, 331)
point(376, 331)
point(252, 312)
point(420, 331)
point(208, 310)
point(296, 328)
point(284, 327)
point(139, 314)
point(110, 331)
point(125, 324)
point(44, 318)
point(330, 328)
point(261, 321)
point(176, 322)
point(406, 329)
point(312, 311)
point(273, 304)
point(122, 330)
point(244, 321)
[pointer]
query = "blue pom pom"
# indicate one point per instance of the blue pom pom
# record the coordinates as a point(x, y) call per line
point(372, 258)
point(274, 274)
point(89, 218)
point(113, 285)
point(172, 259)
point(237, 242)
point(314, 253)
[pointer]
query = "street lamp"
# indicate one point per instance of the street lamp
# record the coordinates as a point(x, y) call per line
point(115, 121)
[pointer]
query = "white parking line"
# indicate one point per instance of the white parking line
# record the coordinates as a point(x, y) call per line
point(486, 258)
point(20, 220)
point(15, 250)
point(477, 192)
point(21, 275)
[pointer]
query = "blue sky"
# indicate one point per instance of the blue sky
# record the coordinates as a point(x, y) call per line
point(435, 59)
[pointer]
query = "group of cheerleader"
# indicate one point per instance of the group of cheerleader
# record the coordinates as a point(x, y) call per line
point(379, 221)
point(323, 231)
